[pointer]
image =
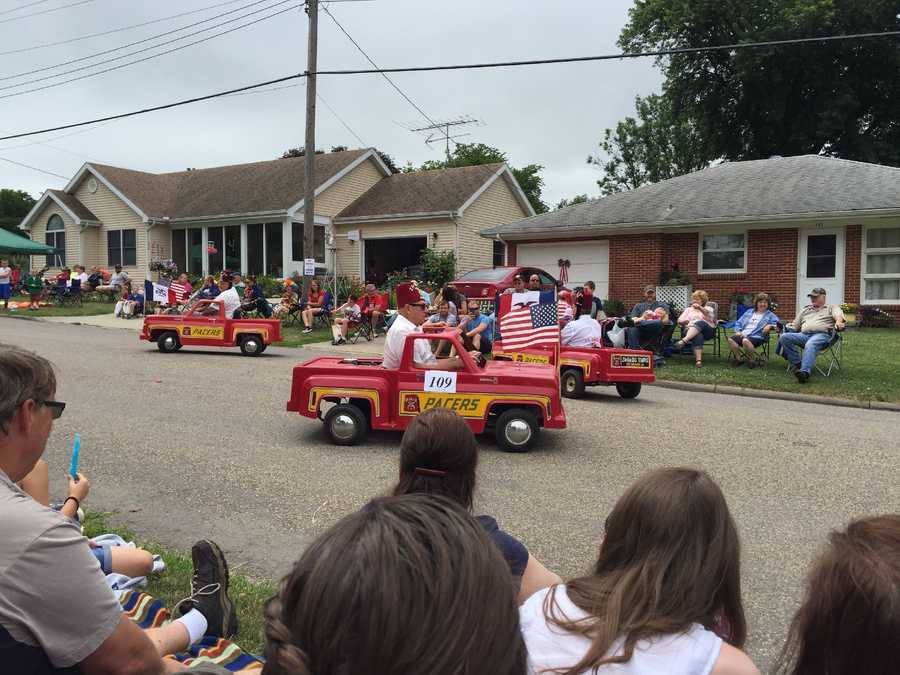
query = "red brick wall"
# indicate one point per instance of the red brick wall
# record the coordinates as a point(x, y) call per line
point(852, 261)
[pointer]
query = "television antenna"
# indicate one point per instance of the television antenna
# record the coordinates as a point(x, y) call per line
point(442, 131)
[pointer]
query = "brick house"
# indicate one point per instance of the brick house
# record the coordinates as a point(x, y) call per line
point(249, 217)
point(782, 225)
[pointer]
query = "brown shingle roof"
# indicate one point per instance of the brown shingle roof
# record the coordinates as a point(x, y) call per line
point(75, 206)
point(274, 185)
point(421, 192)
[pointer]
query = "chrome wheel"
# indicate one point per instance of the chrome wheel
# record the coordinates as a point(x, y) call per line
point(343, 427)
point(169, 343)
point(517, 432)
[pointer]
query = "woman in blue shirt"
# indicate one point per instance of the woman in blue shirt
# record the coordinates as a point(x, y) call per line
point(751, 330)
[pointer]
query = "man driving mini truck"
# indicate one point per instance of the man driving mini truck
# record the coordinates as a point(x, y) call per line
point(411, 311)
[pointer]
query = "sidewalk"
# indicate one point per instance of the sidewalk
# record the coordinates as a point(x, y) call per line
point(99, 320)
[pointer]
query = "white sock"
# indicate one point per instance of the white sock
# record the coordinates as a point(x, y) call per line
point(195, 623)
point(158, 564)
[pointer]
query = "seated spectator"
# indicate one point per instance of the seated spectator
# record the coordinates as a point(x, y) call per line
point(135, 306)
point(5, 282)
point(56, 610)
point(442, 319)
point(407, 585)
point(81, 275)
point(812, 329)
point(454, 300)
point(347, 314)
point(287, 304)
point(476, 330)
point(698, 321)
point(664, 595)
point(188, 288)
point(849, 622)
point(95, 279)
point(518, 285)
point(313, 306)
point(751, 330)
point(236, 282)
point(374, 308)
point(209, 289)
point(254, 300)
point(439, 455)
point(65, 275)
point(582, 332)
point(640, 332)
point(34, 286)
point(116, 281)
point(124, 299)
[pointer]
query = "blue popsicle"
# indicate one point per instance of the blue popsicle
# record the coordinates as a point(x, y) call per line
point(76, 447)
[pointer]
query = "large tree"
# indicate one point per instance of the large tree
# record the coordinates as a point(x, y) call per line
point(473, 154)
point(14, 206)
point(839, 97)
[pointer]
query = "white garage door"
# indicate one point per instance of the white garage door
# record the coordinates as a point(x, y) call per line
point(589, 261)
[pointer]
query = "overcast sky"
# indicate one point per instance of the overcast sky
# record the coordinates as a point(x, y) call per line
point(552, 115)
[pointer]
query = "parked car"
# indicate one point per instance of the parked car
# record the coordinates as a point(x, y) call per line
point(483, 284)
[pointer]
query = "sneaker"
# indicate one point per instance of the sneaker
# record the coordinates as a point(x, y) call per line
point(209, 590)
point(802, 376)
point(307, 330)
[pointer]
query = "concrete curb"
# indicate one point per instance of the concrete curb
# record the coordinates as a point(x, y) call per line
point(778, 395)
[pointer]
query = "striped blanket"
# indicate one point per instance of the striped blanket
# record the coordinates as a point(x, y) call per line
point(148, 612)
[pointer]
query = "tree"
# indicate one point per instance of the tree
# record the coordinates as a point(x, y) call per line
point(14, 206)
point(577, 199)
point(300, 152)
point(656, 145)
point(474, 154)
point(840, 98)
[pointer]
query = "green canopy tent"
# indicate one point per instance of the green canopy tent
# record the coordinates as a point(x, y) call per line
point(13, 243)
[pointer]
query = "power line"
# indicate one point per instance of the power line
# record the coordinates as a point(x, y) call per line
point(30, 4)
point(117, 30)
point(132, 44)
point(138, 51)
point(375, 65)
point(141, 60)
point(341, 120)
point(45, 11)
point(34, 168)
point(286, 78)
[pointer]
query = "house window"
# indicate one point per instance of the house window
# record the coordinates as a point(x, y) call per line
point(881, 265)
point(56, 237)
point(318, 242)
point(721, 252)
point(499, 253)
point(274, 256)
point(195, 250)
point(179, 249)
point(121, 248)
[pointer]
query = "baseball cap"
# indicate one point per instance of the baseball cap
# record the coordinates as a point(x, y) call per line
point(649, 289)
point(815, 292)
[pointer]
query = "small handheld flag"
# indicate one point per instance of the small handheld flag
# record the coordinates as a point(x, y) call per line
point(76, 448)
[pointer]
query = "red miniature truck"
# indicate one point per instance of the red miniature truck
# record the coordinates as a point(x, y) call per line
point(626, 369)
point(353, 395)
point(195, 326)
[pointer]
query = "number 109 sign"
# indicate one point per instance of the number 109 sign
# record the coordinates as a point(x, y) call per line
point(440, 380)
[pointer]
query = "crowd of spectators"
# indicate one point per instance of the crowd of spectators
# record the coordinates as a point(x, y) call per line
point(416, 583)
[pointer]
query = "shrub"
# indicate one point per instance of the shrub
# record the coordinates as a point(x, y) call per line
point(439, 267)
point(347, 284)
point(874, 317)
point(271, 287)
point(614, 308)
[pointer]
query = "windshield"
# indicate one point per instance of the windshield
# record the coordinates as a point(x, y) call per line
point(495, 274)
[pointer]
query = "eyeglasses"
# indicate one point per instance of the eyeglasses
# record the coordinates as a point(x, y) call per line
point(56, 408)
point(420, 305)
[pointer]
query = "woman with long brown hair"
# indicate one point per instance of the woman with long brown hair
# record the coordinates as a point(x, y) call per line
point(407, 586)
point(849, 622)
point(439, 455)
point(664, 595)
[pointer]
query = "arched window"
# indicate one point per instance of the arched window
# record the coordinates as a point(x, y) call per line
point(56, 237)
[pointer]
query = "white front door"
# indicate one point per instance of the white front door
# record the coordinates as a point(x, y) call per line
point(820, 263)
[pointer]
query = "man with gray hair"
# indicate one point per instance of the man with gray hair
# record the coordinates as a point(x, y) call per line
point(56, 610)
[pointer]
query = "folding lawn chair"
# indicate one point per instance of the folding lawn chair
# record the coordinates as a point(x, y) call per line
point(361, 328)
point(832, 353)
point(323, 318)
point(71, 294)
point(292, 316)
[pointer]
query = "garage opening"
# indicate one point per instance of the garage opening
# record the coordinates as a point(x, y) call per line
point(399, 254)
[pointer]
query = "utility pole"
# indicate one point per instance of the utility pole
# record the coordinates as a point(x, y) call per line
point(309, 147)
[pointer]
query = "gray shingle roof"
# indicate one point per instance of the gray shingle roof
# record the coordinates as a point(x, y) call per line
point(75, 206)
point(421, 192)
point(768, 188)
point(274, 185)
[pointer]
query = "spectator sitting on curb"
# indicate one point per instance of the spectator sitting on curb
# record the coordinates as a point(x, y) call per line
point(56, 609)
point(812, 329)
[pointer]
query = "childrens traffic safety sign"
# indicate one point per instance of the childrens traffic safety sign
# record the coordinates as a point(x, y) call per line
point(443, 381)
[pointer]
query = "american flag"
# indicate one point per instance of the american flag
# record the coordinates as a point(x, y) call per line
point(177, 293)
point(563, 311)
point(532, 326)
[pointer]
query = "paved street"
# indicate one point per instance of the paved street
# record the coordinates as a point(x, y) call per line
point(199, 444)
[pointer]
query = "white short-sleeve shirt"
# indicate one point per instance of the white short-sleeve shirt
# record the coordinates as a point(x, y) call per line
point(396, 340)
point(583, 332)
point(231, 300)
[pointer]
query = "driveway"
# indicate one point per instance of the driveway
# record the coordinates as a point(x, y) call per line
point(198, 444)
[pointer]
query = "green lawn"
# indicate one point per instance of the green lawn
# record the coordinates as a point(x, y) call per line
point(86, 309)
point(871, 369)
point(175, 583)
point(294, 336)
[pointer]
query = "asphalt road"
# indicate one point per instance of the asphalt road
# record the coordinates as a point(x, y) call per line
point(198, 444)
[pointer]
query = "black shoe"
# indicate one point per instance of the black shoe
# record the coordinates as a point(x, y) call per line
point(802, 376)
point(793, 369)
point(209, 590)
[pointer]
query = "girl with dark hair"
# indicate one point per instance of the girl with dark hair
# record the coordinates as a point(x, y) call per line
point(406, 586)
point(664, 595)
point(439, 455)
point(849, 622)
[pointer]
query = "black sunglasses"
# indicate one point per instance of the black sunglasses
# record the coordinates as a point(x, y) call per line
point(420, 305)
point(56, 408)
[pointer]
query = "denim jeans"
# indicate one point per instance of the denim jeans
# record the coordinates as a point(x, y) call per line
point(707, 332)
point(643, 332)
point(812, 344)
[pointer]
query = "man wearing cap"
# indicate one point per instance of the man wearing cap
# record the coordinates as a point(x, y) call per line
point(642, 330)
point(116, 281)
point(812, 329)
point(411, 315)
